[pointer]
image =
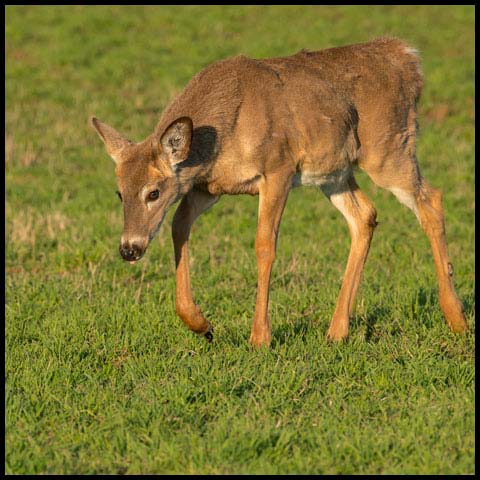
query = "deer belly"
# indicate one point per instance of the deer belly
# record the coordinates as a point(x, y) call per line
point(320, 179)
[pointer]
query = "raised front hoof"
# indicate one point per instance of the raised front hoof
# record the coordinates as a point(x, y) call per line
point(209, 336)
point(193, 318)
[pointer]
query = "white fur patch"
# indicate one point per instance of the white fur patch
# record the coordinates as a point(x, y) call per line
point(407, 199)
point(411, 51)
point(340, 202)
point(134, 241)
point(415, 53)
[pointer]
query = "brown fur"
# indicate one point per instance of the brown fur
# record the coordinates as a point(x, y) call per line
point(263, 126)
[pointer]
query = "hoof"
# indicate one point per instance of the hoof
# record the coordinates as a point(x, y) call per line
point(208, 336)
point(336, 337)
point(458, 327)
point(338, 330)
point(260, 342)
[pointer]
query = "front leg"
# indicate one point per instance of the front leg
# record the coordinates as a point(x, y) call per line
point(273, 196)
point(192, 205)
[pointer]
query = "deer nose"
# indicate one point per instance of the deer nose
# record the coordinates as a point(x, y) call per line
point(130, 252)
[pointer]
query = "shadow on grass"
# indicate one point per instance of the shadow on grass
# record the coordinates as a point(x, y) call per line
point(393, 322)
point(358, 322)
point(423, 302)
point(284, 333)
point(469, 304)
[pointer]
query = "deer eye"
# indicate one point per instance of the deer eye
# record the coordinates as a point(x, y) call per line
point(119, 195)
point(153, 195)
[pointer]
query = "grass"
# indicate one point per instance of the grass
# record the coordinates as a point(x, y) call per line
point(102, 377)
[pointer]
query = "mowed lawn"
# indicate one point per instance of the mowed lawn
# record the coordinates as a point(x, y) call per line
point(103, 378)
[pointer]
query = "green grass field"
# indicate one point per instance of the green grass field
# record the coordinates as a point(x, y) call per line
point(103, 378)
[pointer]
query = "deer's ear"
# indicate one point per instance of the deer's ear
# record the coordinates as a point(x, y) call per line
point(114, 142)
point(176, 140)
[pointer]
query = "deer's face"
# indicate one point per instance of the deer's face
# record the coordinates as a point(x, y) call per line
point(147, 180)
point(146, 194)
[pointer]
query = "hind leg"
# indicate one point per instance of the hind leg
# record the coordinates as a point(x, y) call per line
point(360, 215)
point(426, 202)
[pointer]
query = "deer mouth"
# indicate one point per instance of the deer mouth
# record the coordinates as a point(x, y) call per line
point(131, 253)
point(135, 259)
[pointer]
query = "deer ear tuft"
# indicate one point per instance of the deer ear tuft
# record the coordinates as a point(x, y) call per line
point(176, 140)
point(114, 141)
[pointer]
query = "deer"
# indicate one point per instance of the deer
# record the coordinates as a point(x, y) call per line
point(264, 126)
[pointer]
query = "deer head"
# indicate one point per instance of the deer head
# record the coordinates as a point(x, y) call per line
point(148, 180)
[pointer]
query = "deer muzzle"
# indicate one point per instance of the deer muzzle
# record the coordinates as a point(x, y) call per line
point(131, 252)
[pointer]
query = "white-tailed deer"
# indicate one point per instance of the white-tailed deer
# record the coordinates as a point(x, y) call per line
point(264, 126)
